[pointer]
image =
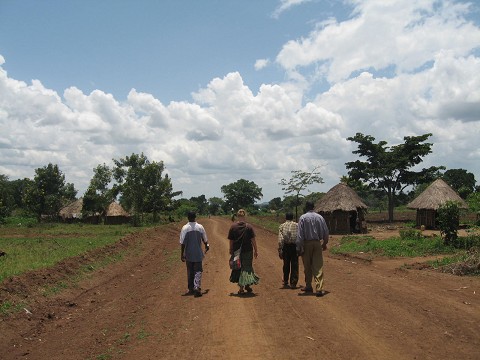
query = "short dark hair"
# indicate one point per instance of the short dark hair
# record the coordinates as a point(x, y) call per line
point(289, 216)
point(309, 205)
point(191, 216)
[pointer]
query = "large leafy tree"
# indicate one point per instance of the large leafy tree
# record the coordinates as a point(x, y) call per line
point(48, 192)
point(275, 203)
point(241, 194)
point(98, 195)
point(158, 189)
point(298, 182)
point(7, 200)
point(142, 185)
point(461, 181)
point(215, 205)
point(388, 168)
point(201, 204)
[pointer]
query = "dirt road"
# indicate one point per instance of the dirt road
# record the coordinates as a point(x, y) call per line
point(135, 309)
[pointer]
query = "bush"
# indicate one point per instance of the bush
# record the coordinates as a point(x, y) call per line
point(448, 220)
point(411, 234)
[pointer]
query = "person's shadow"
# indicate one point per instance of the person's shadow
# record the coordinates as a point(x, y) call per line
point(324, 293)
point(244, 295)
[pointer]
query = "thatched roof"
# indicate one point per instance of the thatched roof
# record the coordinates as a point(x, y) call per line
point(340, 197)
point(115, 209)
point(436, 195)
point(72, 210)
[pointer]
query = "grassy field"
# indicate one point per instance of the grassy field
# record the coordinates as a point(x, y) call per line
point(29, 246)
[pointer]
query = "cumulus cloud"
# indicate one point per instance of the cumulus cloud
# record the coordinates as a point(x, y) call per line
point(261, 64)
point(405, 35)
point(393, 69)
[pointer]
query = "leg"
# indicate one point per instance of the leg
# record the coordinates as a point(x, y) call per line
point(307, 263)
point(317, 267)
point(286, 265)
point(190, 275)
point(197, 281)
point(293, 266)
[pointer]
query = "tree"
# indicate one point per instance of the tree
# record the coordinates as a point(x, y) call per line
point(215, 205)
point(201, 203)
point(47, 193)
point(461, 181)
point(158, 189)
point(298, 182)
point(275, 203)
point(142, 186)
point(388, 168)
point(98, 195)
point(241, 194)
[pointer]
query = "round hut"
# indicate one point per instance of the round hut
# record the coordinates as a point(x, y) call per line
point(116, 214)
point(343, 210)
point(72, 212)
point(431, 199)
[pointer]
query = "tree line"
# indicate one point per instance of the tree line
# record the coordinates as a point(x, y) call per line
point(381, 176)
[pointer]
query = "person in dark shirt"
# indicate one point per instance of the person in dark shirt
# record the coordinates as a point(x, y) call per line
point(242, 235)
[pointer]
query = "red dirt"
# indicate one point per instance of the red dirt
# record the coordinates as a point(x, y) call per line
point(134, 309)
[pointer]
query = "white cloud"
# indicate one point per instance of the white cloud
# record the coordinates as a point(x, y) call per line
point(230, 131)
point(286, 5)
point(261, 64)
point(405, 35)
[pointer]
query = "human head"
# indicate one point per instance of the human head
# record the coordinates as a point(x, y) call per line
point(309, 205)
point(289, 216)
point(241, 213)
point(191, 216)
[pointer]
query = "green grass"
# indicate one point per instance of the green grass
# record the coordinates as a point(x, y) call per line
point(268, 222)
point(30, 247)
point(393, 247)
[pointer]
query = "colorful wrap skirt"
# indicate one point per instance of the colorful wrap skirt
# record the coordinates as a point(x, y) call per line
point(246, 275)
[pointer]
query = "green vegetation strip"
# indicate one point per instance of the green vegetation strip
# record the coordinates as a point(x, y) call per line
point(393, 247)
point(30, 248)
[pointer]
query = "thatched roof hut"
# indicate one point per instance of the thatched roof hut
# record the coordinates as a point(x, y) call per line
point(431, 199)
point(343, 210)
point(72, 211)
point(116, 214)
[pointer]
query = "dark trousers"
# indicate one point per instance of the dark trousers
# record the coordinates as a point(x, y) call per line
point(290, 264)
point(194, 275)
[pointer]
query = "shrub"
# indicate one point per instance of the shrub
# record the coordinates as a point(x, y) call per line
point(411, 234)
point(448, 220)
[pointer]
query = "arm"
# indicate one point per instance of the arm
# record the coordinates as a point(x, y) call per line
point(254, 244)
point(231, 247)
point(205, 240)
point(300, 240)
point(280, 242)
point(182, 252)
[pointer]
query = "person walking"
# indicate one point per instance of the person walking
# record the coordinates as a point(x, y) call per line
point(192, 236)
point(287, 236)
point(312, 240)
point(242, 235)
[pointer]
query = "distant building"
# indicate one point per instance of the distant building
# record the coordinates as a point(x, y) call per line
point(343, 210)
point(431, 199)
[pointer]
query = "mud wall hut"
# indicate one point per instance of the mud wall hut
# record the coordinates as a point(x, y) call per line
point(116, 214)
point(431, 199)
point(72, 212)
point(343, 210)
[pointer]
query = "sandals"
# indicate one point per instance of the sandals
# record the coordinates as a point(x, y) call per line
point(248, 288)
point(241, 292)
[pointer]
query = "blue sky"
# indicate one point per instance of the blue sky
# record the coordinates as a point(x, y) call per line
point(223, 90)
